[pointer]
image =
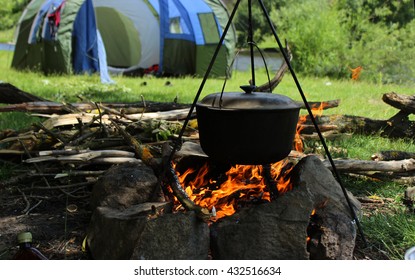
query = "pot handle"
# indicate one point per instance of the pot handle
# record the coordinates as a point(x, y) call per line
point(248, 89)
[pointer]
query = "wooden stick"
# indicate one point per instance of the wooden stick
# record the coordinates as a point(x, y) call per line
point(273, 83)
point(83, 157)
point(141, 151)
point(181, 195)
point(350, 165)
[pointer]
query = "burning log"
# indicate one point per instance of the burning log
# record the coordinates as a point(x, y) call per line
point(310, 129)
point(323, 104)
point(143, 152)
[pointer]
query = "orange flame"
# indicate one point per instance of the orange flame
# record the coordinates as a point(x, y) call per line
point(317, 112)
point(244, 183)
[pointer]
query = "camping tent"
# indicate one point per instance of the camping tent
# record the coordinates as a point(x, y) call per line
point(176, 37)
point(172, 37)
point(41, 46)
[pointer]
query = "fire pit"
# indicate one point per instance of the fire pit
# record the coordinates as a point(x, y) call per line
point(310, 221)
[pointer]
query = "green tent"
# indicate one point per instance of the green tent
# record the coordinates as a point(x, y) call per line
point(51, 36)
point(168, 37)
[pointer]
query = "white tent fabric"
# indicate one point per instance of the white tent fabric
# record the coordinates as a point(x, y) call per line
point(147, 26)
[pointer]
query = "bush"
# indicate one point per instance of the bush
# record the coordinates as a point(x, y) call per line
point(10, 12)
point(318, 40)
point(330, 37)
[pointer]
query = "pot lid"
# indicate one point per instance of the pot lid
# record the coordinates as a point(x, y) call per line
point(249, 100)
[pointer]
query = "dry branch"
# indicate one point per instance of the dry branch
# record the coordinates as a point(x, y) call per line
point(273, 83)
point(350, 165)
point(181, 195)
point(83, 157)
point(50, 107)
point(73, 119)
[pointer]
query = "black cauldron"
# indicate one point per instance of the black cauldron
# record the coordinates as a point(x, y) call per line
point(247, 127)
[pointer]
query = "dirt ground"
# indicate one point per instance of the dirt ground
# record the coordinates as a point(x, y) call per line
point(58, 224)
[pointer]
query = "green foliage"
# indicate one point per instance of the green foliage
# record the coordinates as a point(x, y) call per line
point(160, 130)
point(385, 54)
point(389, 11)
point(319, 41)
point(330, 37)
point(259, 23)
point(10, 11)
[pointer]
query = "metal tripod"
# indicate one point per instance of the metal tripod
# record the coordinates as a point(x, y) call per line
point(307, 106)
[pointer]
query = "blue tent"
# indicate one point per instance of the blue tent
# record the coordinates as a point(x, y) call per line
point(168, 37)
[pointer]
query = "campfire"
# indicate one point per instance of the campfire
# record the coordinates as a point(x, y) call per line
point(291, 209)
point(242, 184)
point(223, 194)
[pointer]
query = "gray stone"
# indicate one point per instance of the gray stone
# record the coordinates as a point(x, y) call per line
point(113, 233)
point(278, 230)
point(180, 236)
point(124, 185)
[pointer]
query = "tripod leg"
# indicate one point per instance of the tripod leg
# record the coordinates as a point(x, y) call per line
point(323, 142)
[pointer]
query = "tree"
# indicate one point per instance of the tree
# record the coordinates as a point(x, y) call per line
point(10, 11)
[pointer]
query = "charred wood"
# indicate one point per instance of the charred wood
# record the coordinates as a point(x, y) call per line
point(397, 127)
point(402, 102)
point(392, 155)
point(310, 129)
point(10, 94)
point(181, 195)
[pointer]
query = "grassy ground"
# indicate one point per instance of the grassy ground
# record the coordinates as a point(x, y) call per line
point(389, 229)
point(6, 36)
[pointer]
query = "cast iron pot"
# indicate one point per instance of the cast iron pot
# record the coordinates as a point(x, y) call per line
point(247, 127)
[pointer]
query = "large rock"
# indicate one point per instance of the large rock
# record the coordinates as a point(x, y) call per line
point(278, 230)
point(112, 233)
point(180, 236)
point(124, 185)
point(145, 232)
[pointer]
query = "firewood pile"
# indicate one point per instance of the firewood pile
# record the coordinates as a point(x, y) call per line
point(76, 143)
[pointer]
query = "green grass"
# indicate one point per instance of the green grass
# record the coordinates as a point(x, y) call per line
point(6, 36)
point(393, 232)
